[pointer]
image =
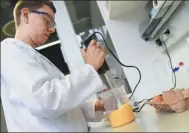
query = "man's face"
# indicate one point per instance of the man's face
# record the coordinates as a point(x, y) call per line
point(40, 24)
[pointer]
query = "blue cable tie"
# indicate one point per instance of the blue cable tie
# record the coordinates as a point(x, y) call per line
point(175, 69)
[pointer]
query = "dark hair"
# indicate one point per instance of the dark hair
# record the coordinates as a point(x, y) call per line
point(31, 5)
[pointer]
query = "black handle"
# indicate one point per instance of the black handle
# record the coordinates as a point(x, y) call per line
point(104, 67)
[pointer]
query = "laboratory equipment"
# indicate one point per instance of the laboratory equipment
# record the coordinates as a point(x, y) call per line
point(110, 101)
point(104, 71)
point(106, 76)
point(158, 18)
point(86, 42)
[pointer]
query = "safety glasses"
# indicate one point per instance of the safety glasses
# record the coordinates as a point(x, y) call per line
point(49, 24)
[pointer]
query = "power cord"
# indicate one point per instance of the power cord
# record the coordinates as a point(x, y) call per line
point(139, 109)
point(127, 66)
point(170, 60)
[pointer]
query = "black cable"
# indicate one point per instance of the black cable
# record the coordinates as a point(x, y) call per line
point(138, 110)
point(122, 63)
point(146, 102)
point(170, 60)
point(145, 99)
point(170, 65)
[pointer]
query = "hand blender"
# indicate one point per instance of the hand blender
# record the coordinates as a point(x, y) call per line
point(124, 114)
point(86, 42)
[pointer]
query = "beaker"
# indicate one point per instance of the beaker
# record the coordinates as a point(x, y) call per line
point(121, 95)
point(113, 98)
point(109, 100)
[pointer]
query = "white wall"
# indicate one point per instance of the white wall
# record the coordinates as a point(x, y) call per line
point(117, 8)
point(66, 33)
point(126, 33)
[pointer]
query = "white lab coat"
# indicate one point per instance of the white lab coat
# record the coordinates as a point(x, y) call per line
point(36, 96)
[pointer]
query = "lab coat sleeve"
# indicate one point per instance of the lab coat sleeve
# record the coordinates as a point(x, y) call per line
point(49, 96)
point(88, 109)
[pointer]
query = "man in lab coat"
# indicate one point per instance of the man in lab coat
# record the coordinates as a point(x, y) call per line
point(35, 95)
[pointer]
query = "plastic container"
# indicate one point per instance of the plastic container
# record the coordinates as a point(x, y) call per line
point(113, 98)
point(173, 107)
point(121, 95)
point(110, 101)
point(178, 103)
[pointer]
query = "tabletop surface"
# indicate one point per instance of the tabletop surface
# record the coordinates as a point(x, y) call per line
point(150, 120)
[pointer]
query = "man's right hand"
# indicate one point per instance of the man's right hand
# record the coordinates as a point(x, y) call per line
point(94, 55)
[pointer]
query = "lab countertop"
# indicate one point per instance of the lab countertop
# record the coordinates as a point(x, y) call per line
point(149, 120)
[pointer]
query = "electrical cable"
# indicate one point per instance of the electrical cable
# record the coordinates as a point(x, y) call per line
point(170, 66)
point(127, 66)
point(167, 52)
point(146, 102)
point(138, 110)
point(145, 99)
point(170, 60)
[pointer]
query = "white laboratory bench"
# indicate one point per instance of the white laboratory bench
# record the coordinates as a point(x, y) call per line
point(148, 120)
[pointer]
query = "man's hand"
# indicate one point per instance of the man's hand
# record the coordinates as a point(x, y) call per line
point(94, 55)
point(109, 104)
point(99, 105)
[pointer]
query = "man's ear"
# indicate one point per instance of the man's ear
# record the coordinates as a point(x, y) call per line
point(25, 14)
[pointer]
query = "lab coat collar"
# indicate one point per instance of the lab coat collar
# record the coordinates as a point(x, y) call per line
point(22, 44)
